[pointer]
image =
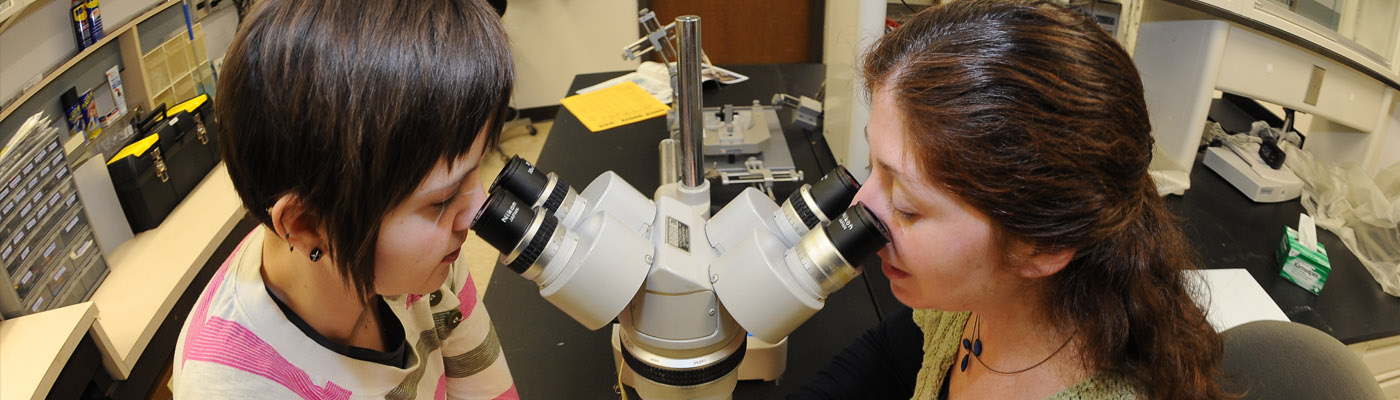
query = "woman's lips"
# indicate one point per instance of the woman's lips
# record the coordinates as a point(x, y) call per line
point(452, 257)
point(891, 272)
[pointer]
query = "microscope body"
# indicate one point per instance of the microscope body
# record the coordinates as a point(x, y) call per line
point(686, 289)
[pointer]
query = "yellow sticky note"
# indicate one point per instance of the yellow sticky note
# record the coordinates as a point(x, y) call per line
point(614, 106)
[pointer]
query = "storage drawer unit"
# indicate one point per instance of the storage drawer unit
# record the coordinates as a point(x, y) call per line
point(48, 249)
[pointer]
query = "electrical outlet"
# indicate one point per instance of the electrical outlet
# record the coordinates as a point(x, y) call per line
point(204, 8)
point(219, 5)
point(198, 8)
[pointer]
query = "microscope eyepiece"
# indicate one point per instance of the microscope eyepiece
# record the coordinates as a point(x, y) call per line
point(857, 234)
point(522, 179)
point(811, 205)
point(514, 229)
point(503, 221)
point(530, 184)
point(835, 191)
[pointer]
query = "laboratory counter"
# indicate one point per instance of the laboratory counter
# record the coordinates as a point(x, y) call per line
point(1228, 230)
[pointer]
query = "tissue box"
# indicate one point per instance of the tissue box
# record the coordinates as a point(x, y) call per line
point(1301, 265)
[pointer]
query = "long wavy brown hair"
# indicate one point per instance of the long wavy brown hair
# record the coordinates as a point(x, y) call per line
point(1033, 114)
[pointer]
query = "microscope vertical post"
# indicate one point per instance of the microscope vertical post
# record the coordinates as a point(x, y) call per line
point(688, 80)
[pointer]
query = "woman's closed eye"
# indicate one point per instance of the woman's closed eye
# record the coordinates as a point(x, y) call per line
point(443, 204)
point(904, 215)
point(446, 203)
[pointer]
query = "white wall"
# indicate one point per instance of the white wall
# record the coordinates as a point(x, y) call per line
point(43, 40)
point(851, 27)
point(219, 29)
point(553, 40)
point(1389, 145)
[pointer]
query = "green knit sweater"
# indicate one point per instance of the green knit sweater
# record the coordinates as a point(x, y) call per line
point(942, 331)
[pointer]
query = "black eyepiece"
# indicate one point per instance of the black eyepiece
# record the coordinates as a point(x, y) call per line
point(857, 234)
point(835, 191)
point(503, 221)
point(831, 194)
point(522, 179)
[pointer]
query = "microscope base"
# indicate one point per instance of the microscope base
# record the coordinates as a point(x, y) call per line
point(762, 361)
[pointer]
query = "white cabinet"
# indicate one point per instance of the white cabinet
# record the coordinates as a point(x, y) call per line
point(1281, 73)
point(1184, 56)
point(1382, 356)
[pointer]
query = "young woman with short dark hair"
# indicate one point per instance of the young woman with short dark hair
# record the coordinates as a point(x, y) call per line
point(352, 131)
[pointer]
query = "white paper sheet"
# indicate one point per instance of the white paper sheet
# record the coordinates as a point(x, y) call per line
point(1231, 297)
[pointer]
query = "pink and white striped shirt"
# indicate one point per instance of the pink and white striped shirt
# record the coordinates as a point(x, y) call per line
point(237, 343)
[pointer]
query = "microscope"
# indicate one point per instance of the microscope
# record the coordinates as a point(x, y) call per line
point(685, 288)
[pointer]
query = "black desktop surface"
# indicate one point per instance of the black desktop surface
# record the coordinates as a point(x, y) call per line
point(553, 357)
point(1230, 231)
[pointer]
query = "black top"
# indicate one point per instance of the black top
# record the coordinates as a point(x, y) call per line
point(391, 328)
point(1228, 230)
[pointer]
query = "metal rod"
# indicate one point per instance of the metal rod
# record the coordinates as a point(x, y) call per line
point(688, 82)
point(669, 163)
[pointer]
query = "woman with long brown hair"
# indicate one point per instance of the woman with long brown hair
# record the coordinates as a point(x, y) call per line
point(1009, 146)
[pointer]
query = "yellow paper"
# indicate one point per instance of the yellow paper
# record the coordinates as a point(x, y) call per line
point(614, 106)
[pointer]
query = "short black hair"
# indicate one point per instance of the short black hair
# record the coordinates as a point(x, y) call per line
point(350, 104)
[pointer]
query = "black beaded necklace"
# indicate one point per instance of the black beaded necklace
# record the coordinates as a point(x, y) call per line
point(974, 350)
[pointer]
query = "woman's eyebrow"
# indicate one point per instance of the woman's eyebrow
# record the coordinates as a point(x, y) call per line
point(881, 163)
point(456, 183)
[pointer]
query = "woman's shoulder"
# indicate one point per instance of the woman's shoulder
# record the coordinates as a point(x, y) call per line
point(1103, 385)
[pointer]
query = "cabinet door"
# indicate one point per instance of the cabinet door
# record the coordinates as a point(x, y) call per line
point(1266, 68)
point(752, 32)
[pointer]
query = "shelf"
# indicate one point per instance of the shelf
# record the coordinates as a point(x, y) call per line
point(108, 38)
point(37, 346)
point(152, 269)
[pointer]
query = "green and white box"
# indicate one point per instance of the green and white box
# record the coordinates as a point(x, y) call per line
point(1302, 265)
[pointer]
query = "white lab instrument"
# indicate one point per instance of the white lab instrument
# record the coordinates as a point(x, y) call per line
point(686, 288)
point(1246, 171)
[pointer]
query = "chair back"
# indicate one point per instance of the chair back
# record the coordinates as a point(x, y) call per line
point(1287, 360)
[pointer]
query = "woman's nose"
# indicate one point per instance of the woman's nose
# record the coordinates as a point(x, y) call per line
point(872, 196)
point(463, 220)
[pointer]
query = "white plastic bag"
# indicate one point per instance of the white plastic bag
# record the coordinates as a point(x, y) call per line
point(1364, 212)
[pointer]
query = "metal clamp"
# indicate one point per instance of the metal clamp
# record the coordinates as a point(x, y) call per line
point(161, 170)
point(199, 131)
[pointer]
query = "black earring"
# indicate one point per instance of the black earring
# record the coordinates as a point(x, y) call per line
point(316, 254)
point(289, 242)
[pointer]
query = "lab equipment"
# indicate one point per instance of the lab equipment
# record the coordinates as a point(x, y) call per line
point(739, 142)
point(807, 112)
point(1240, 159)
point(685, 288)
point(745, 145)
point(753, 267)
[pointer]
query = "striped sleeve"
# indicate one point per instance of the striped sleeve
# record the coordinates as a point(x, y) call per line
point(474, 366)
